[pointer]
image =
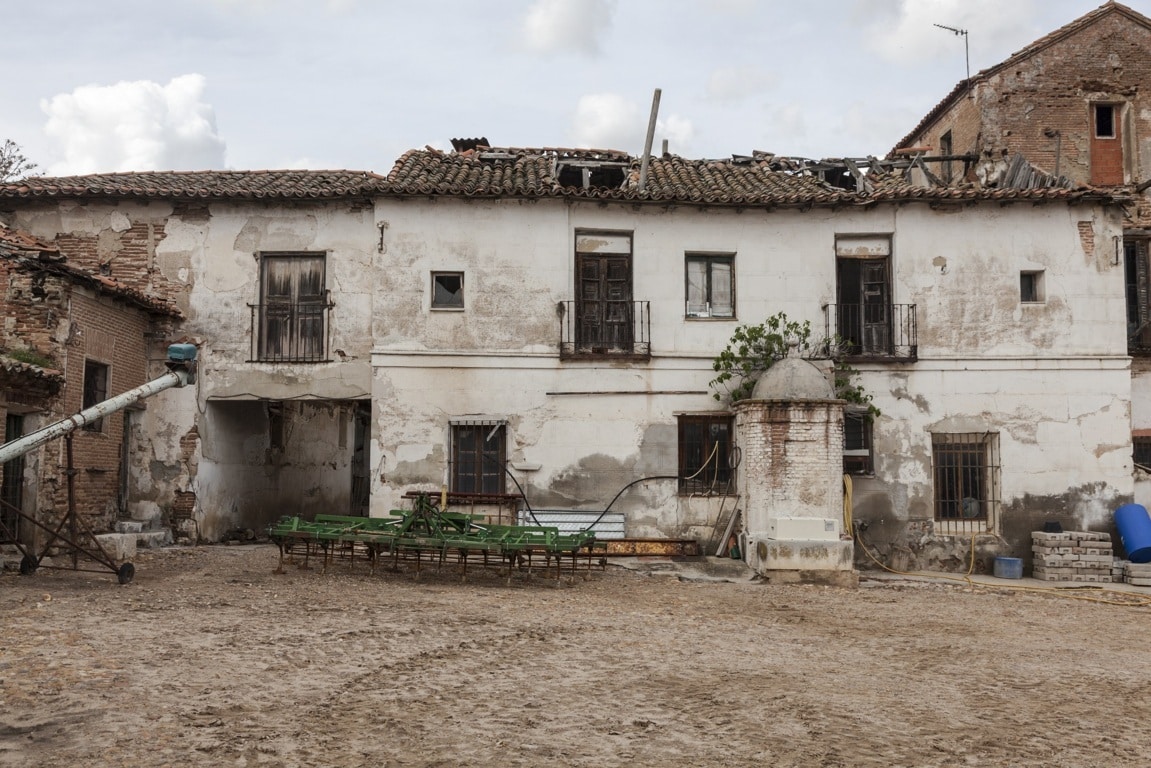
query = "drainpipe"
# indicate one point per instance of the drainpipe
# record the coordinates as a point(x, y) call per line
point(647, 143)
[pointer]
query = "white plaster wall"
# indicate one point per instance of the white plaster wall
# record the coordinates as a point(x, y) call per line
point(1052, 377)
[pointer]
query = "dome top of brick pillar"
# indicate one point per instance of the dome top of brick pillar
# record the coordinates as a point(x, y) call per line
point(793, 378)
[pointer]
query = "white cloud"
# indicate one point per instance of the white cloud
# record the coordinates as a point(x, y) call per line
point(558, 26)
point(903, 31)
point(608, 121)
point(134, 126)
point(679, 133)
point(865, 130)
point(735, 84)
point(785, 130)
point(612, 121)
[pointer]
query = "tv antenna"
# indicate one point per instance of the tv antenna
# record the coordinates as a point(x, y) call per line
point(966, 52)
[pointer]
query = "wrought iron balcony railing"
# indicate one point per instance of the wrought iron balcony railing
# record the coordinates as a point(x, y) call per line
point(286, 332)
point(874, 331)
point(605, 329)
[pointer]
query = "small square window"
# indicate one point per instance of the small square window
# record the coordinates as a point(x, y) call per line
point(447, 290)
point(1031, 287)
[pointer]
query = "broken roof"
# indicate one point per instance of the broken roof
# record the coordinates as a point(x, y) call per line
point(964, 86)
point(758, 180)
point(33, 253)
point(761, 179)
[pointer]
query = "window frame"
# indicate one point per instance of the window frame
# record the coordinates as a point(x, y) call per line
point(1096, 108)
point(691, 463)
point(1141, 448)
point(293, 326)
point(709, 259)
point(438, 306)
point(963, 462)
point(94, 390)
point(1036, 279)
point(467, 457)
point(859, 459)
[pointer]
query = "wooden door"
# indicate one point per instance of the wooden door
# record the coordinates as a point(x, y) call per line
point(604, 303)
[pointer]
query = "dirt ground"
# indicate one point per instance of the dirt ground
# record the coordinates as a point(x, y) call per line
point(210, 659)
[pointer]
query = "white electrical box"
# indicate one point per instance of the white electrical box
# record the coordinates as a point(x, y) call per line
point(803, 529)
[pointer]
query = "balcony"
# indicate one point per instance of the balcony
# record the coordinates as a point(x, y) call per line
point(605, 329)
point(874, 332)
point(290, 332)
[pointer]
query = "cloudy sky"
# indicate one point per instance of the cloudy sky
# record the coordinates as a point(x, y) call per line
point(120, 85)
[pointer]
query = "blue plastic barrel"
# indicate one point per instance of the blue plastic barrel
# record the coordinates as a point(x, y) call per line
point(1134, 526)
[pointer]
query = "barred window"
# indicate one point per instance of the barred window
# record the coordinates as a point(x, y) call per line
point(966, 472)
point(705, 454)
point(479, 451)
point(1141, 445)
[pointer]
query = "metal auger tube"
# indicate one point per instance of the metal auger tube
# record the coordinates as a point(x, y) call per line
point(182, 372)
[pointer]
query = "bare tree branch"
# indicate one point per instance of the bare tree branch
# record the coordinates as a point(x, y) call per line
point(13, 164)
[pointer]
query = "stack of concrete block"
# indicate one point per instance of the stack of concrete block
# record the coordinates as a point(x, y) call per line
point(1138, 574)
point(1078, 556)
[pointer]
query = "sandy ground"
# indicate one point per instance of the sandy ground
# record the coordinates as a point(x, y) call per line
point(209, 658)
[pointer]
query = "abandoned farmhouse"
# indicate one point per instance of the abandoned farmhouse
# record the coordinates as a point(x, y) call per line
point(538, 326)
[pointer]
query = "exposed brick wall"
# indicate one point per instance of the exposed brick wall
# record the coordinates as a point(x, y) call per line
point(35, 306)
point(106, 332)
point(1053, 90)
point(126, 256)
point(47, 314)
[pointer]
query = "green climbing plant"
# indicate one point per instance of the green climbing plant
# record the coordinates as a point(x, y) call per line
point(755, 348)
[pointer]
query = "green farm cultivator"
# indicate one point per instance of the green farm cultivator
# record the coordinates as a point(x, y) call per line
point(430, 535)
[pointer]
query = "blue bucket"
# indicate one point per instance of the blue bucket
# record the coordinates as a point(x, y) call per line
point(1134, 526)
point(1008, 568)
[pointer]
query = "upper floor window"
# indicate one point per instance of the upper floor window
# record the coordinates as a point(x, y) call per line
point(1104, 121)
point(293, 308)
point(1138, 279)
point(447, 290)
point(1031, 287)
point(95, 390)
point(945, 149)
point(710, 280)
point(604, 319)
point(1108, 165)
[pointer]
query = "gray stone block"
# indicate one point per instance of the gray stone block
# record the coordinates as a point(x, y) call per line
point(154, 539)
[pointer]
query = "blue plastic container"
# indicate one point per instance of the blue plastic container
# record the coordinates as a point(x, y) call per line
point(1008, 568)
point(1134, 526)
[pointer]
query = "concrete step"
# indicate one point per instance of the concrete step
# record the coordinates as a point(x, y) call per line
point(119, 546)
point(129, 526)
point(154, 539)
